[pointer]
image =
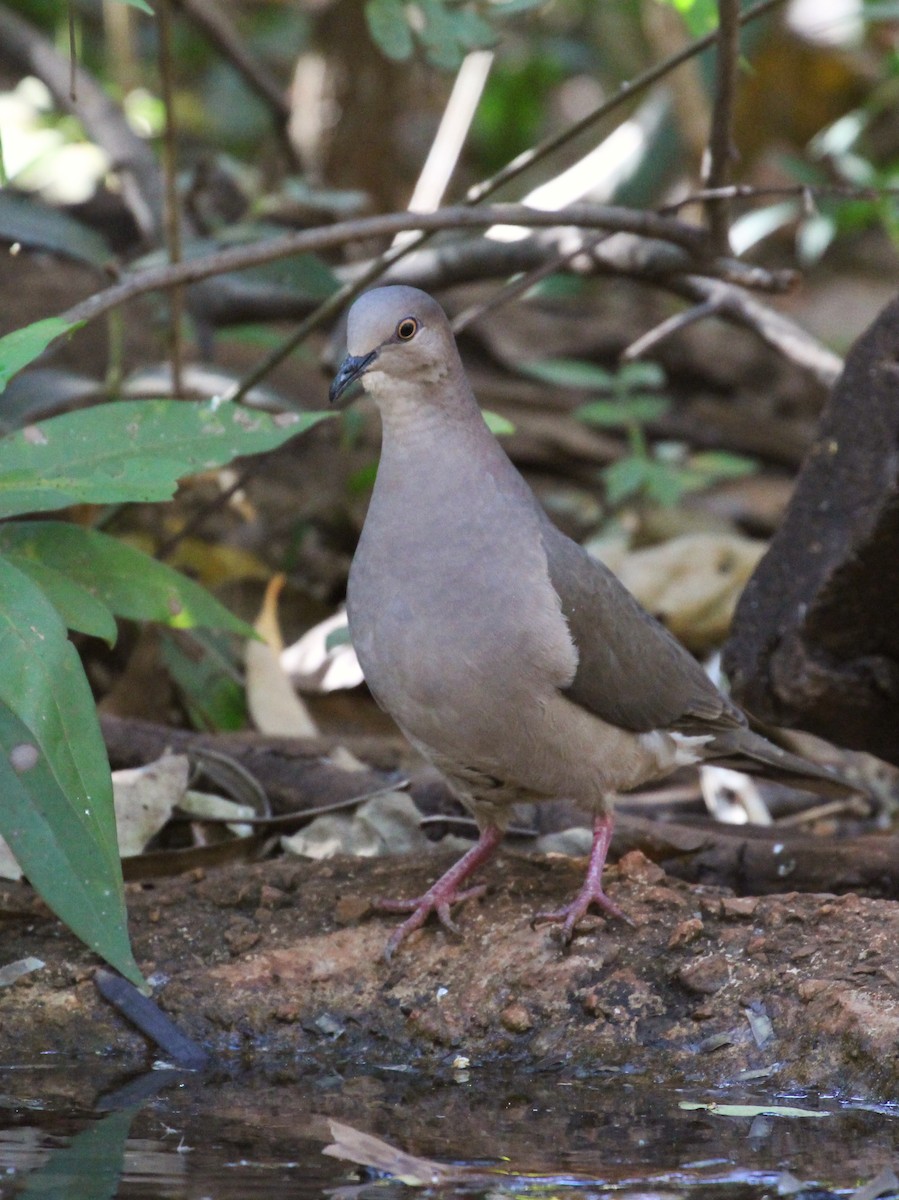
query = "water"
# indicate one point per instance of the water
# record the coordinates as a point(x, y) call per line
point(64, 1136)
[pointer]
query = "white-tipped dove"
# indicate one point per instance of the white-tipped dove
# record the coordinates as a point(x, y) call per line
point(514, 661)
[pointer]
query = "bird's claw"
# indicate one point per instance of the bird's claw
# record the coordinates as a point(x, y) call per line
point(569, 916)
point(435, 900)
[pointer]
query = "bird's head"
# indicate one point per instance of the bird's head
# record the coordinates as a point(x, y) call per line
point(395, 336)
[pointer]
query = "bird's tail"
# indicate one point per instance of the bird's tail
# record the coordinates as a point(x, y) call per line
point(746, 751)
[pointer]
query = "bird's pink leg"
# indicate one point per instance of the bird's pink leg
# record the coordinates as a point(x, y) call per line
point(445, 892)
point(591, 892)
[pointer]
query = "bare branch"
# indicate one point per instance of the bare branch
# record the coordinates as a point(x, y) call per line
point(721, 152)
point(665, 329)
point(589, 216)
point(172, 207)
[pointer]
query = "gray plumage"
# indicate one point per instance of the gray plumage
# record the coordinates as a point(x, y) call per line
point(519, 664)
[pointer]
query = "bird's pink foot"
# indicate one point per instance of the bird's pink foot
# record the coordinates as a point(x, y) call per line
point(592, 891)
point(439, 898)
point(569, 916)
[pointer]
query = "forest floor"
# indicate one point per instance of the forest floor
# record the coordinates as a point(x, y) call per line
point(282, 959)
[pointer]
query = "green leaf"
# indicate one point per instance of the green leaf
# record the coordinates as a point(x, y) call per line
point(720, 464)
point(640, 374)
point(22, 346)
point(26, 220)
point(624, 478)
point(471, 29)
point(389, 28)
point(438, 35)
point(751, 1110)
point(204, 673)
point(89, 1167)
point(629, 410)
point(57, 812)
point(508, 8)
point(126, 581)
point(569, 372)
point(665, 483)
point(498, 425)
point(78, 608)
point(132, 450)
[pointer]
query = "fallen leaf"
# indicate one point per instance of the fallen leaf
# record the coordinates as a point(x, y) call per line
point(275, 708)
point(144, 799)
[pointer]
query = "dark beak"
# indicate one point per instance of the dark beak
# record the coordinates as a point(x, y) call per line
point(352, 367)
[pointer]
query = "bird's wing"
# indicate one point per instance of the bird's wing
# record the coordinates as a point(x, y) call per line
point(631, 671)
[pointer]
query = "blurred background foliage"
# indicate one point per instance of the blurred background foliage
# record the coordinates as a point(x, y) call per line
point(364, 84)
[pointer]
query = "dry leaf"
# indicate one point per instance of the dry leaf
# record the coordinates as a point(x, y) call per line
point(389, 823)
point(275, 708)
point(691, 583)
point(369, 1151)
point(144, 799)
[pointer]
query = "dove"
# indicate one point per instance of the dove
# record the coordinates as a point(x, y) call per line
point(508, 656)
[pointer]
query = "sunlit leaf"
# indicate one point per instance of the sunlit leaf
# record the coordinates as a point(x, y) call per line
point(498, 425)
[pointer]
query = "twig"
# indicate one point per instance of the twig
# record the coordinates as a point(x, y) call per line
point(806, 192)
point(665, 329)
point(721, 149)
point(172, 208)
point(774, 329)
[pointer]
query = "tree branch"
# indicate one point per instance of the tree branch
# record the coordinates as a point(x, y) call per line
point(721, 152)
point(307, 241)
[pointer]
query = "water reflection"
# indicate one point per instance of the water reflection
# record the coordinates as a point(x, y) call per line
point(66, 1137)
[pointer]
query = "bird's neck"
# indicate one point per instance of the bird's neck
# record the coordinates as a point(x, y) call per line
point(410, 427)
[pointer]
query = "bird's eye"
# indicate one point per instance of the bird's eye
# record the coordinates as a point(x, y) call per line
point(407, 329)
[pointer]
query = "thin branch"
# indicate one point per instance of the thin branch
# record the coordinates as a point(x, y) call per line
point(776, 330)
point(665, 329)
point(172, 207)
point(799, 191)
point(307, 241)
point(721, 152)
